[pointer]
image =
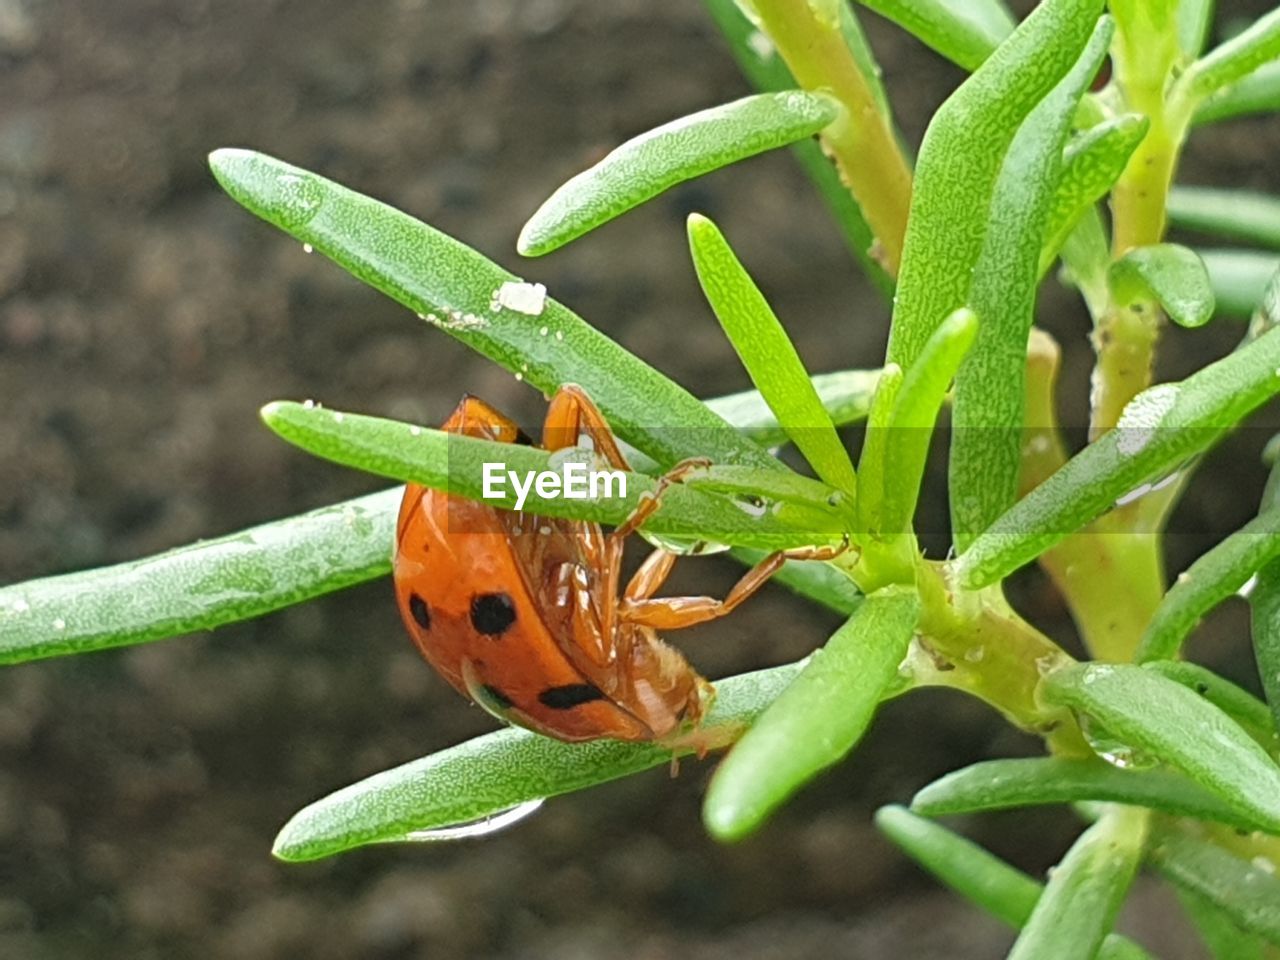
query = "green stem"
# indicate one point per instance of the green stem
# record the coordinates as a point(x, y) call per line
point(976, 642)
point(1112, 579)
point(862, 143)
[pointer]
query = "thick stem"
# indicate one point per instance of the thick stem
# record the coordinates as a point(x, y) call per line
point(863, 145)
point(977, 643)
point(1125, 341)
point(1112, 579)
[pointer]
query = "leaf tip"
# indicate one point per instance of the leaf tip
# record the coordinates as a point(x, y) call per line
point(532, 241)
point(271, 412)
point(726, 820)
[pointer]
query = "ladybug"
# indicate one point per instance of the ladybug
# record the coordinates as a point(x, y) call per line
point(523, 613)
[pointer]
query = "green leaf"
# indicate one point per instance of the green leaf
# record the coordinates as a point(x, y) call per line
point(1079, 905)
point(965, 33)
point(875, 447)
point(456, 463)
point(1215, 576)
point(1090, 168)
point(915, 413)
point(1225, 940)
point(459, 291)
point(657, 160)
point(1264, 598)
point(1248, 893)
point(1171, 274)
point(201, 586)
point(1195, 19)
point(1235, 59)
point(1237, 214)
point(960, 160)
point(759, 60)
point(1259, 92)
point(1129, 707)
point(255, 571)
point(767, 353)
point(846, 395)
point(1237, 703)
point(817, 720)
point(1006, 784)
point(776, 485)
point(990, 393)
point(1239, 278)
point(1004, 892)
point(1159, 429)
point(494, 773)
point(1264, 603)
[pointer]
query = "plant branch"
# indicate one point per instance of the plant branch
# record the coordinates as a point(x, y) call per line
point(862, 142)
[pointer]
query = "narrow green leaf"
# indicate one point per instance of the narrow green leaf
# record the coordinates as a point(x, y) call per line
point(496, 772)
point(960, 159)
point(924, 388)
point(1220, 933)
point(255, 571)
point(1237, 214)
point(1006, 784)
point(1236, 702)
point(817, 720)
point(1195, 18)
point(1004, 892)
point(1128, 707)
point(767, 353)
point(1248, 893)
point(990, 392)
point(1239, 278)
point(764, 68)
point(1264, 603)
point(1159, 429)
point(846, 395)
point(1264, 598)
point(1235, 59)
point(459, 291)
point(871, 464)
point(657, 160)
point(1215, 576)
point(776, 485)
point(456, 463)
point(1259, 92)
point(201, 586)
point(1079, 905)
point(1090, 167)
point(1171, 274)
point(964, 33)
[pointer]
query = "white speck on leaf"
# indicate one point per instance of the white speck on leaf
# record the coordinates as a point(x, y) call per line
point(526, 298)
point(1141, 418)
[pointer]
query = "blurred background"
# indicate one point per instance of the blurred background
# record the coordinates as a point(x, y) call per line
point(144, 319)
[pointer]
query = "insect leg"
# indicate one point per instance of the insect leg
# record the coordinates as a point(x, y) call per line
point(573, 413)
point(672, 613)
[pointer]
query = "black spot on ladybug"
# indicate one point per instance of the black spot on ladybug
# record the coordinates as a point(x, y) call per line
point(570, 695)
point(523, 439)
point(495, 697)
point(420, 611)
point(492, 613)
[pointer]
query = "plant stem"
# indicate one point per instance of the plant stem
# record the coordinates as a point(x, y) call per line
point(1112, 579)
point(1145, 53)
point(862, 143)
point(976, 642)
point(1042, 448)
